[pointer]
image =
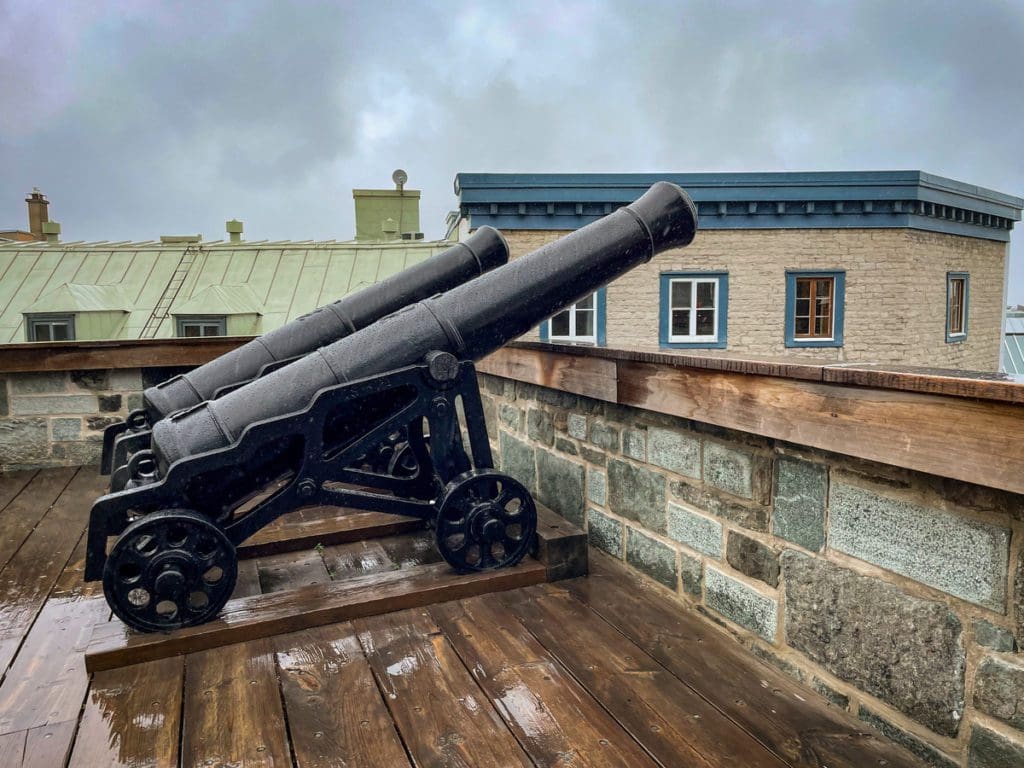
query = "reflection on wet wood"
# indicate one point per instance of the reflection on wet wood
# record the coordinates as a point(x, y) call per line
point(670, 720)
point(132, 717)
point(554, 719)
point(233, 712)
point(28, 507)
point(335, 712)
point(443, 716)
point(248, 582)
point(113, 645)
point(778, 712)
point(291, 571)
point(11, 484)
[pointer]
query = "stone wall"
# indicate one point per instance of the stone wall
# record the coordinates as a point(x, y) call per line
point(895, 292)
point(896, 595)
point(54, 419)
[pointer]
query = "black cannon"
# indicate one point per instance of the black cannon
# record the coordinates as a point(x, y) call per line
point(482, 251)
point(221, 470)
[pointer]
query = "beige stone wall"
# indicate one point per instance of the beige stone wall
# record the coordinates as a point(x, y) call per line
point(895, 292)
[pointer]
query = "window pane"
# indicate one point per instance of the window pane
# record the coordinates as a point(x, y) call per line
point(59, 332)
point(560, 324)
point(190, 331)
point(680, 323)
point(803, 289)
point(803, 325)
point(705, 322)
point(681, 293)
point(821, 327)
point(42, 332)
point(803, 307)
point(587, 303)
point(211, 329)
point(824, 287)
point(824, 306)
point(705, 295)
point(585, 322)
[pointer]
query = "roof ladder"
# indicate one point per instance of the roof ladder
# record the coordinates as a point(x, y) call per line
point(163, 306)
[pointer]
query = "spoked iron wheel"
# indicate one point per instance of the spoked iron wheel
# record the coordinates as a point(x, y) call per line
point(485, 520)
point(169, 569)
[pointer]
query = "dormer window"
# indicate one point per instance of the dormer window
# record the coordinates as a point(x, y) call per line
point(50, 328)
point(197, 327)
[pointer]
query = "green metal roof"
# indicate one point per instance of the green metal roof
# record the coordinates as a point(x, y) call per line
point(279, 281)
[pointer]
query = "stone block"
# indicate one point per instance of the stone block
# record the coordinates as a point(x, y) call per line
point(674, 450)
point(908, 741)
point(566, 446)
point(109, 403)
point(655, 558)
point(965, 558)
point(540, 427)
point(801, 490)
point(135, 401)
point(593, 455)
point(95, 380)
point(492, 384)
point(604, 435)
point(753, 558)
point(560, 485)
point(604, 532)
point(38, 383)
point(634, 444)
point(740, 603)
point(66, 429)
point(101, 422)
point(597, 486)
point(489, 408)
point(52, 405)
point(729, 469)
point(23, 441)
point(517, 460)
point(989, 635)
point(637, 493)
point(695, 531)
point(833, 696)
point(692, 573)
point(989, 749)
point(745, 513)
point(80, 453)
point(511, 416)
point(126, 380)
point(4, 406)
point(1018, 598)
point(576, 425)
point(999, 690)
point(906, 651)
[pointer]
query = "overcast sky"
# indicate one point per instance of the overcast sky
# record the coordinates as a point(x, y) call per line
point(139, 118)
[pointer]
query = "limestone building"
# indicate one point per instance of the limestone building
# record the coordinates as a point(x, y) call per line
point(887, 266)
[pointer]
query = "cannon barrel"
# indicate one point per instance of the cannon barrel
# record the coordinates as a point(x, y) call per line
point(469, 321)
point(484, 250)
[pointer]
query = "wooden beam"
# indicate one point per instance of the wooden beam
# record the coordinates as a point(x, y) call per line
point(114, 645)
point(587, 376)
point(105, 355)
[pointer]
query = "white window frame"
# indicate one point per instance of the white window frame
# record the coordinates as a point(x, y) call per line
point(693, 338)
point(572, 335)
point(217, 321)
point(32, 322)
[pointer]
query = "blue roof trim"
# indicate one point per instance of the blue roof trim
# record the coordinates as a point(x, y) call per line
point(818, 200)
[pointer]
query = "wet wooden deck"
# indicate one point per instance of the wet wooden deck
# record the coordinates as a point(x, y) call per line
point(601, 670)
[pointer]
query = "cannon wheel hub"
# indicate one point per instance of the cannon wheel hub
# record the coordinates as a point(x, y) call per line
point(485, 520)
point(169, 569)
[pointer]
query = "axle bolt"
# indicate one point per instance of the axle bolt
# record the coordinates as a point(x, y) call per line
point(307, 487)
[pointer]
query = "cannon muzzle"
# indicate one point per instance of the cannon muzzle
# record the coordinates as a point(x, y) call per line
point(469, 321)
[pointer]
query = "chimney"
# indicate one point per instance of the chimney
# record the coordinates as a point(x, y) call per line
point(387, 214)
point(37, 212)
point(234, 228)
point(51, 231)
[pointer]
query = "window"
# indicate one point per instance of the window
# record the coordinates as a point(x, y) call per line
point(693, 310)
point(814, 309)
point(194, 327)
point(50, 328)
point(583, 322)
point(957, 295)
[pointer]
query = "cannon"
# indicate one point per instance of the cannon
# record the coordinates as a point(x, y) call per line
point(484, 250)
point(221, 470)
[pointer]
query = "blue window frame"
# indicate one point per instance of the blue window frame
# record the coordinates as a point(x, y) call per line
point(582, 323)
point(693, 310)
point(815, 306)
point(958, 295)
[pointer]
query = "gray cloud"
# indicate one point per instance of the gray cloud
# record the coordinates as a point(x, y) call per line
point(140, 119)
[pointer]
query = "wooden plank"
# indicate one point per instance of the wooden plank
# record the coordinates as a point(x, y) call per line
point(248, 582)
point(561, 546)
point(989, 386)
point(412, 549)
point(11, 484)
point(791, 720)
point(232, 711)
point(325, 526)
point(35, 567)
point(357, 558)
point(671, 721)
point(128, 353)
point(48, 745)
point(589, 376)
point(442, 715)
point(906, 429)
point(321, 668)
point(28, 507)
point(291, 571)
point(114, 645)
point(12, 748)
point(552, 716)
point(132, 717)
